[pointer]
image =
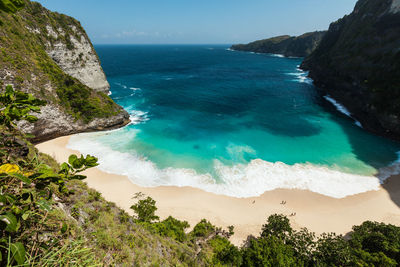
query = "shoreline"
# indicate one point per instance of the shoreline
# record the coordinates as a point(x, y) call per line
point(317, 212)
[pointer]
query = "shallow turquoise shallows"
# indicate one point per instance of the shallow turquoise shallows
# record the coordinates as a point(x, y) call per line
point(231, 123)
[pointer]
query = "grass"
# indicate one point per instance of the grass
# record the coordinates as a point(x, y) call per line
point(23, 53)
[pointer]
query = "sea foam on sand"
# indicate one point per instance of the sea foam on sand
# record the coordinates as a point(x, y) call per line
point(241, 180)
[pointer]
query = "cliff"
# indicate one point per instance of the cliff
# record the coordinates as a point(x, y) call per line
point(50, 55)
point(358, 63)
point(286, 45)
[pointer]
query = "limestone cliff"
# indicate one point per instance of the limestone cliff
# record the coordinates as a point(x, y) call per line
point(358, 63)
point(286, 45)
point(81, 62)
point(50, 55)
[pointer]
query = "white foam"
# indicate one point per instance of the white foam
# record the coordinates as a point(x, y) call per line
point(134, 88)
point(121, 85)
point(229, 49)
point(301, 76)
point(109, 93)
point(137, 117)
point(342, 109)
point(241, 180)
point(276, 55)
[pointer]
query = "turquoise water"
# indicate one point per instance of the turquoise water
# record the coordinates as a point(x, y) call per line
point(232, 123)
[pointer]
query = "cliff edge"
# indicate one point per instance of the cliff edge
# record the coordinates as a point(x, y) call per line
point(358, 63)
point(289, 46)
point(50, 55)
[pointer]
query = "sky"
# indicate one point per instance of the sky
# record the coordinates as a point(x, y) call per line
point(198, 21)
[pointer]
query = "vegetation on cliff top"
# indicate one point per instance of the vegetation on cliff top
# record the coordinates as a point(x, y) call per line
point(358, 62)
point(25, 63)
point(286, 45)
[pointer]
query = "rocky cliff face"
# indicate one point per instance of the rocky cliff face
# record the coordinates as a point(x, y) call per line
point(286, 45)
point(358, 63)
point(50, 55)
point(81, 62)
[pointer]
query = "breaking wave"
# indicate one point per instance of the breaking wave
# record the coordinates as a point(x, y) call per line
point(240, 180)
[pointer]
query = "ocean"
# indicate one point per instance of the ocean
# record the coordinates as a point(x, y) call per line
point(231, 123)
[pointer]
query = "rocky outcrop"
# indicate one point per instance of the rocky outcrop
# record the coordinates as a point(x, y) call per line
point(286, 45)
point(54, 122)
point(81, 62)
point(50, 56)
point(358, 63)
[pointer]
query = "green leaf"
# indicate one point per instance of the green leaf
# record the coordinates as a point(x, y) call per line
point(25, 215)
point(91, 161)
point(3, 200)
point(18, 252)
point(31, 118)
point(21, 177)
point(11, 221)
point(72, 159)
point(45, 205)
point(30, 136)
point(78, 177)
point(64, 228)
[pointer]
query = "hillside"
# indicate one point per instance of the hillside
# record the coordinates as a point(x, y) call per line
point(286, 45)
point(50, 55)
point(358, 63)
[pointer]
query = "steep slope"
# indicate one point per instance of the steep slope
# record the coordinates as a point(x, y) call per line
point(286, 45)
point(50, 55)
point(358, 63)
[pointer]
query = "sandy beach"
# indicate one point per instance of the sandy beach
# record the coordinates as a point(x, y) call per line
point(317, 212)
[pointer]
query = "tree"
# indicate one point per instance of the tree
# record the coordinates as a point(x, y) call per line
point(145, 210)
point(278, 225)
point(269, 251)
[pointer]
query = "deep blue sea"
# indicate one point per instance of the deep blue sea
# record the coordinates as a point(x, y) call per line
point(232, 123)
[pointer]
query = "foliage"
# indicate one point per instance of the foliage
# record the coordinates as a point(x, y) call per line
point(20, 205)
point(370, 244)
point(376, 242)
point(299, 46)
point(203, 229)
point(24, 40)
point(73, 253)
point(16, 106)
point(11, 5)
point(224, 252)
point(26, 191)
point(145, 210)
point(277, 225)
point(172, 228)
point(270, 251)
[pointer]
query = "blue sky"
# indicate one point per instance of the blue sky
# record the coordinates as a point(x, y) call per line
point(198, 21)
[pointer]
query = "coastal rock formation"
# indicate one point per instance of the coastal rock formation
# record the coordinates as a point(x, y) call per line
point(358, 64)
point(289, 46)
point(50, 55)
point(81, 62)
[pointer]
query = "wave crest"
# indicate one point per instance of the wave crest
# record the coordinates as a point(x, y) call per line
point(241, 180)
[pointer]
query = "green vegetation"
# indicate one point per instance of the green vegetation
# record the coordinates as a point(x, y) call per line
point(299, 46)
point(48, 217)
point(18, 105)
point(26, 183)
point(11, 5)
point(24, 39)
point(358, 62)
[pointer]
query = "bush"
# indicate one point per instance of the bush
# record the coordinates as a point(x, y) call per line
point(203, 229)
point(173, 228)
point(145, 210)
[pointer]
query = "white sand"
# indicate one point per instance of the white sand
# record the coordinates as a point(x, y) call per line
point(316, 212)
